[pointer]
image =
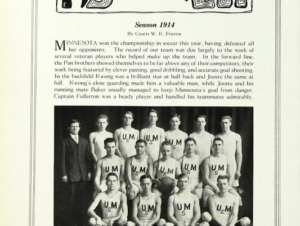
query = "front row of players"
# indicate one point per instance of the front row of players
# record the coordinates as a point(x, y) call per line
point(219, 199)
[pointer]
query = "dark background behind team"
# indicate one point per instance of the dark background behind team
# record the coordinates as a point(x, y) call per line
point(242, 123)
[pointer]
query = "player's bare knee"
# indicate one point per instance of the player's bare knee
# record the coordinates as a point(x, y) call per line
point(161, 222)
point(121, 222)
point(92, 221)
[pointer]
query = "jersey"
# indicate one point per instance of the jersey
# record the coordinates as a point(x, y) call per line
point(230, 150)
point(224, 207)
point(126, 140)
point(99, 138)
point(110, 165)
point(191, 167)
point(176, 138)
point(152, 137)
point(111, 206)
point(184, 207)
point(138, 169)
point(217, 167)
point(166, 169)
point(146, 208)
point(203, 144)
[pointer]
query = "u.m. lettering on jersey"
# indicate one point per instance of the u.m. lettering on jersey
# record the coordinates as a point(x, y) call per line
point(128, 137)
point(151, 138)
point(175, 142)
point(190, 167)
point(110, 205)
point(224, 209)
point(163, 170)
point(141, 170)
point(148, 208)
point(111, 169)
point(184, 206)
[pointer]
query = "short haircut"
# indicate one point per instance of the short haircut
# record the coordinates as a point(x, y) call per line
point(175, 115)
point(226, 117)
point(109, 140)
point(129, 113)
point(152, 111)
point(74, 121)
point(141, 141)
point(111, 174)
point(190, 139)
point(218, 139)
point(166, 143)
point(145, 177)
point(221, 177)
point(183, 175)
point(102, 116)
point(200, 116)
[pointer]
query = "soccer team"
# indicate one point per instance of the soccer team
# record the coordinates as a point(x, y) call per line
point(134, 171)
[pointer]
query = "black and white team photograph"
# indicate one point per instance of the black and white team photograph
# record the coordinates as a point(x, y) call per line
point(153, 165)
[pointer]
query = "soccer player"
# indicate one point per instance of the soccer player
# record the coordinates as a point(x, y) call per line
point(213, 166)
point(126, 136)
point(203, 139)
point(146, 206)
point(137, 166)
point(109, 164)
point(224, 207)
point(153, 135)
point(176, 137)
point(113, 205)
point(190, 165)
point(183, 206)
point(97, 138)
point(232, 148)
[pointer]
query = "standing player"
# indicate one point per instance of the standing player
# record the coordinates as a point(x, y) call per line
point(190, 165)
point(137, 166)
point(223, 207)
point(126, 136)
point(176, 137)
point(146, 206)
point(214, 166)
point(203, 139)
point(166, 167)
point(97, 138)
point(183, 206)
point(232, 148)
point(153, 135)
point(113, 205)
point(76, 169)
point(109, 164)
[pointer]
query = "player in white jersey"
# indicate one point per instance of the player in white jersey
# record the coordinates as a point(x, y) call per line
point(109, 164)
point(126, 136)
point(213, 166)
point(146, 206)
point(153, 135)
point(203, 139)
point(113, 205)
point(176, 137)
point(137, 166)
point(166, 167)
point(183, 206)
point(190, 165)
point(232, 148)
point(97, 138)
point(224, 207)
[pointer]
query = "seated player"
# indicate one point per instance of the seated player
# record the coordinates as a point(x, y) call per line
point(109, 164)
point(137, 166)
point(203, 139)
point(224, 207)
point(126, 136)
point(153, 135)
point(166, 170)
point(97, 138)
point(190, 165)
point(214, 166)
point(176, 137)
point(113, 205)
point(146, 206)
point(183, 206)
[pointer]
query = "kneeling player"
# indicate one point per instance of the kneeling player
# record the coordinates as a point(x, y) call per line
point(112, 203)
point(137, 166)
point(224, 207)
point(183, 206)
point(146, 206)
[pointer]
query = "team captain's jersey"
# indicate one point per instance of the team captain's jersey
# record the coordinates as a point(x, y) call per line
point(146, 208)
point(126, 140)
point(176, 138)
